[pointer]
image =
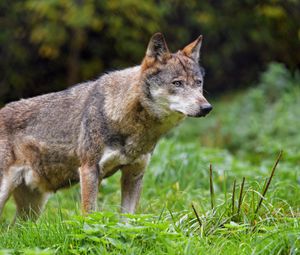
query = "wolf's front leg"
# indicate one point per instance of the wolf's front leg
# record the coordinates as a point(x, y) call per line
point(89, 183)
point(131, 183)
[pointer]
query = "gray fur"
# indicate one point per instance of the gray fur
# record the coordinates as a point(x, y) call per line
point(97, 127)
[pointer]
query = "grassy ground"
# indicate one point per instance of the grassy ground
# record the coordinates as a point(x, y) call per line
point(241, 139)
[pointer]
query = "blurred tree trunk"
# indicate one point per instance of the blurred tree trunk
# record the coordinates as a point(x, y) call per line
point(76, 45)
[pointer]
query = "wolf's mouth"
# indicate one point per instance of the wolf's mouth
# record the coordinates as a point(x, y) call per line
point(196, 116)
point(181, 113)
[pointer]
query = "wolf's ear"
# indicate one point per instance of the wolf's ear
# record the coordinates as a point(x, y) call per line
point(193, 49)
point(157, 48)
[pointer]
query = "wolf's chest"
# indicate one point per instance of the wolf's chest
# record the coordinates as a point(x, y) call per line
point(113, 159)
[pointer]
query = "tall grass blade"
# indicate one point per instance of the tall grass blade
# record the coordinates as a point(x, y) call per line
point(211, 186)
point(233, 197)
point(241, 196)
point(197, 216)
point(269, 182)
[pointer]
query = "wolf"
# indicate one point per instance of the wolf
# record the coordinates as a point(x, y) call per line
point(88, 132)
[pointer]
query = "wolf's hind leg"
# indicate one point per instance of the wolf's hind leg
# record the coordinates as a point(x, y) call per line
point(6, 179)
point(6, 182)
point(6, 187)
point(29, 203)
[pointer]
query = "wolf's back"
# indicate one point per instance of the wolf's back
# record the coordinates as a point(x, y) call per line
point(51, 115)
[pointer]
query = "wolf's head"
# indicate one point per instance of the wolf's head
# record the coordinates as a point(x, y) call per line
point(173, 82)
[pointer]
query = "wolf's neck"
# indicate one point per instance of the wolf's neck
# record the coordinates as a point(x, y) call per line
point(126, 108)
point(122, 93)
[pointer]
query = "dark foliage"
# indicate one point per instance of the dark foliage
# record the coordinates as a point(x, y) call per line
point(51, 44)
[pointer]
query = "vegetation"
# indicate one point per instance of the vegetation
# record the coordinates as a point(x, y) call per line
point(51, 44)
point(180, 211)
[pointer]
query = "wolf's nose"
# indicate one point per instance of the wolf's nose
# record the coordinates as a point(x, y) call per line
point(206, 108)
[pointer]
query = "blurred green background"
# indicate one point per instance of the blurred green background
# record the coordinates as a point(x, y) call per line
point(51, 44)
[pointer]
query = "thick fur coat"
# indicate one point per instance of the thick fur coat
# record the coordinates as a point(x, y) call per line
point(90, 131)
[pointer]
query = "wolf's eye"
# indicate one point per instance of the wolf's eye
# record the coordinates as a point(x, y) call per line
point(199, 82)
point(177, 83)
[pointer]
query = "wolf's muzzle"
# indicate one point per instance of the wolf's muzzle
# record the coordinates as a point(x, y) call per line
point(205, 109)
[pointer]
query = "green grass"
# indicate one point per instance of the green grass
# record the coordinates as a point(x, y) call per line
point(241, 139)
